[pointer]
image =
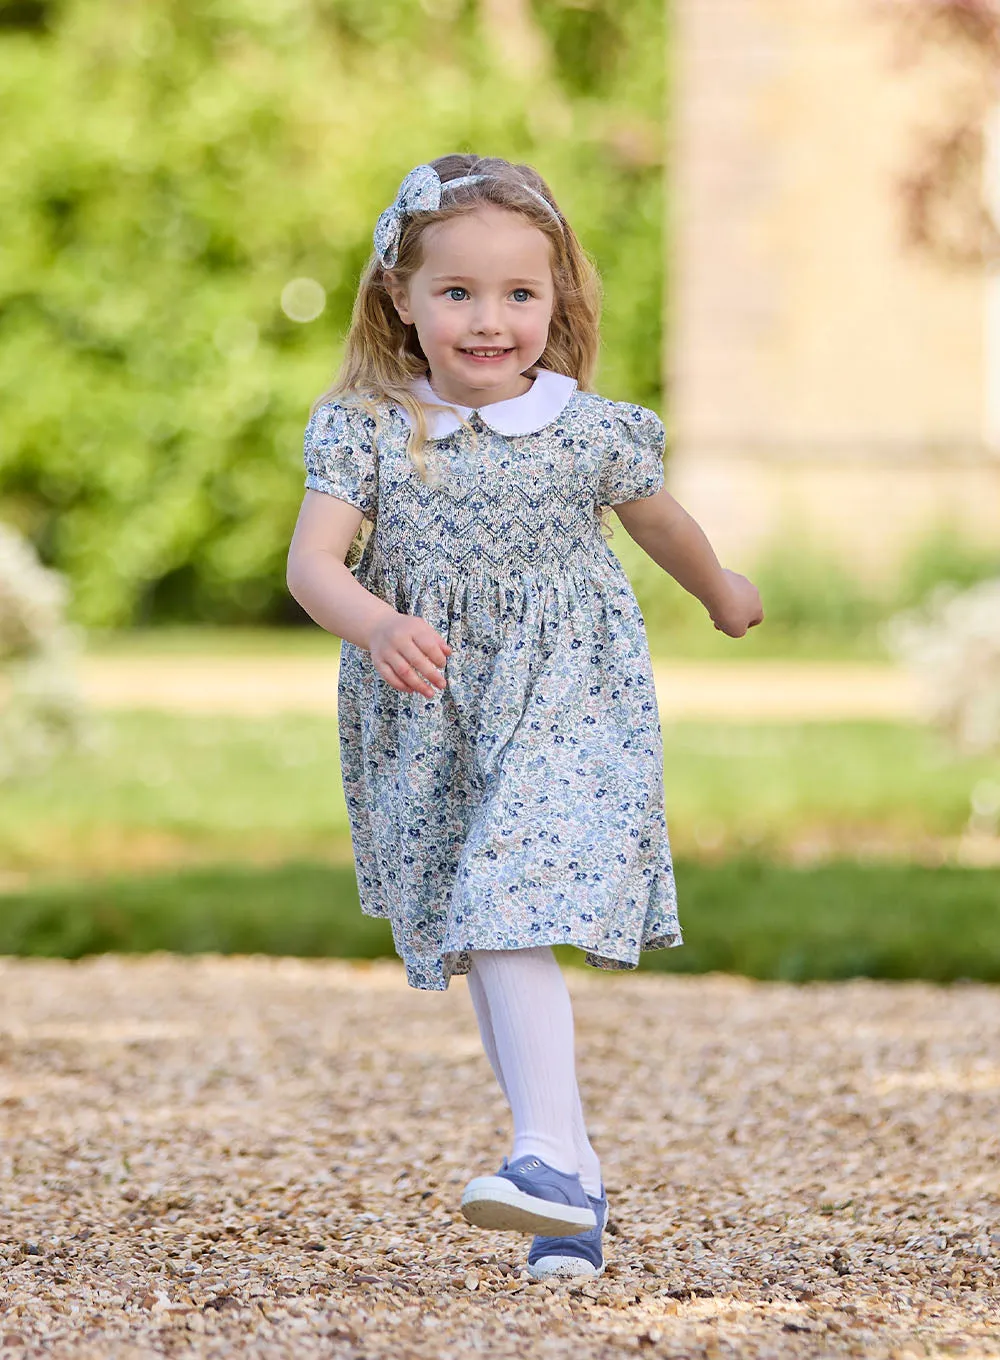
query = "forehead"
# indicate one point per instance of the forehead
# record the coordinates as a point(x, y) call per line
point(489, 242)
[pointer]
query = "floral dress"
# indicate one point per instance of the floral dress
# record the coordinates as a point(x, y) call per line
point(522, 805)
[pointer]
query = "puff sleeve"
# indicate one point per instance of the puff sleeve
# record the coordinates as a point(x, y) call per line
point(633, 462)
point(339, 454)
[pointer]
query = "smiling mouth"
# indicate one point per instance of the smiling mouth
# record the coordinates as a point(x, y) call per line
point(487, 353)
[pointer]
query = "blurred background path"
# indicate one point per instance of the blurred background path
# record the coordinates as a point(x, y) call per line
point(775, 690)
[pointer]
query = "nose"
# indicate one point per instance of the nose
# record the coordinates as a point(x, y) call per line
point(486, 320)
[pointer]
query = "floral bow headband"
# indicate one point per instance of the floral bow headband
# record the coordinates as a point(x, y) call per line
point(421, 191)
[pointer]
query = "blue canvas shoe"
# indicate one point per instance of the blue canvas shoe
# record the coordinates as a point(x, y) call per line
point(579, 1255)
point(528, 1195)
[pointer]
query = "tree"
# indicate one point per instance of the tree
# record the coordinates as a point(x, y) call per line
point(178, 163)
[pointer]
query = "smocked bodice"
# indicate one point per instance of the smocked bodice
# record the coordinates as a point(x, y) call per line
point(493, 503)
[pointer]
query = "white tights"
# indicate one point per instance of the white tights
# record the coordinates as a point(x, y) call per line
point(526, 1023)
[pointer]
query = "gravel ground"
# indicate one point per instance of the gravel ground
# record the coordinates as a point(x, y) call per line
point(264, 1157)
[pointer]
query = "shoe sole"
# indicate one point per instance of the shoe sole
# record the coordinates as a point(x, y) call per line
point(564, 1268)
point(494, 1202)
point(568, 1267)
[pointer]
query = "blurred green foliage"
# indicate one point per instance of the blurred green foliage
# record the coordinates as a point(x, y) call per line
point(763, 920)
point(813, 605)
point(176, 163)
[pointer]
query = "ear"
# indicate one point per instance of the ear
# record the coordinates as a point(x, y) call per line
point(399, 295)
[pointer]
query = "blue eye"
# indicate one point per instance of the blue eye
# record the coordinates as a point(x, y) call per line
point(458, 289)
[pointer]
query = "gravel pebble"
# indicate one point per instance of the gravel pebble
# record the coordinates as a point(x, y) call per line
point(262, 1157)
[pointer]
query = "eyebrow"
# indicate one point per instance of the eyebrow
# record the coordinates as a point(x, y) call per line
point(464, 278)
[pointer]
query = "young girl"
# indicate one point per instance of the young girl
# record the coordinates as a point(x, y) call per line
point(500, 742)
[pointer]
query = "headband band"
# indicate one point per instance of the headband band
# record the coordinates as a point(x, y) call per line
point(421, 191)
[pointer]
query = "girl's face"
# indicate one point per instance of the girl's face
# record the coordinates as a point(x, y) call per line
point(485, 284)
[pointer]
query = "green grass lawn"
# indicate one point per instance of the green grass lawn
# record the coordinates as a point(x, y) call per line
point(158, 790)
point(191, 833)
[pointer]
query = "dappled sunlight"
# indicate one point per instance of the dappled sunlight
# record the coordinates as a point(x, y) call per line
point(978, 1079)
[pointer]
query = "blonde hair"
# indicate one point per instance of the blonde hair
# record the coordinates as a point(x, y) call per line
point(382, 354)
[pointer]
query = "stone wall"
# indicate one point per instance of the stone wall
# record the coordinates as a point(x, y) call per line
point(823, 379)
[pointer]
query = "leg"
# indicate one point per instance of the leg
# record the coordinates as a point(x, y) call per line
point(531, 1026)
point(590, 1166)
point(482, 1008)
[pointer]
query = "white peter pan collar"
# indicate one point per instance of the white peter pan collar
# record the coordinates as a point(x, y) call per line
point(544, 401)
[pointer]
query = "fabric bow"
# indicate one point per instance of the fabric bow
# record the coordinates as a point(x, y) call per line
point(420, 191)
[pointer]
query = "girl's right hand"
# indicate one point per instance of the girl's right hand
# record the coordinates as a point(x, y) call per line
point(409, 653)
point(741, 609)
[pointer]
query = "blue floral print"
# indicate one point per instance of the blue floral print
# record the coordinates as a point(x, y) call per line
point(523, 804)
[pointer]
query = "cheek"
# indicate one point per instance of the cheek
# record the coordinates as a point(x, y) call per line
point(439, 326)
point(534, 325)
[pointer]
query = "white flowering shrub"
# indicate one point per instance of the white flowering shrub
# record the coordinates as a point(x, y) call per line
point(41, 709)
point(952, 645)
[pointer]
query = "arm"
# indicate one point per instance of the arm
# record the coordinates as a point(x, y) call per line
point(678, 544)
point(675, 542)
point(406, 651)
point(316, 575)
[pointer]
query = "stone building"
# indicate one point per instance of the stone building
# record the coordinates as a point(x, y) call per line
point(825, 381)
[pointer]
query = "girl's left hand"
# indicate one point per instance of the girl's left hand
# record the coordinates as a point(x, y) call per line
point(741, 609)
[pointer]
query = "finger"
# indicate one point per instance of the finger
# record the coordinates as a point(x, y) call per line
point(388, 675)
point(410, 676)
point(435, 646)
point(429, 650)
point(395, 676)
point(422, 664)
point(432, 634)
